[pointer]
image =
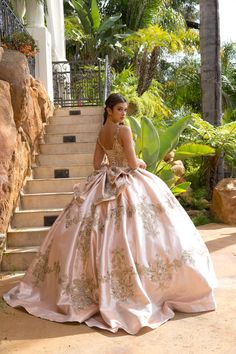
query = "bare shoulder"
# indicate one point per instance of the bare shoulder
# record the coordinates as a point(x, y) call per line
point(125, 131)
point(125, 135)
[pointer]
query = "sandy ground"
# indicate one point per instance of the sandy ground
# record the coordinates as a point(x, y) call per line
point(205, 333)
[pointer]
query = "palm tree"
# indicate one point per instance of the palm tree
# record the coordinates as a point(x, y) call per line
point(211, 78)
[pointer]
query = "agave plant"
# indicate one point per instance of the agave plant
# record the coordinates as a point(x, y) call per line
point(153, 147)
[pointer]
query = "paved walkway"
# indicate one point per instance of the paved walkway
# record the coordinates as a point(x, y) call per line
point(212, 332)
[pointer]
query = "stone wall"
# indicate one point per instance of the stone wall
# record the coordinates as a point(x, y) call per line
point(24, 108)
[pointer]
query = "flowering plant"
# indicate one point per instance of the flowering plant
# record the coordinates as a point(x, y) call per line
point(23, 42)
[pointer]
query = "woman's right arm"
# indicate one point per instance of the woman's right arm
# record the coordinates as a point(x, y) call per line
point(98, 157)
point(128, 146)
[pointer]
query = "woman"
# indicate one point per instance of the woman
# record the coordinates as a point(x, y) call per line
point(124, 253)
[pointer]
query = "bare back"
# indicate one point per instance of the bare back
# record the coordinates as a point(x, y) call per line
point(115, 141)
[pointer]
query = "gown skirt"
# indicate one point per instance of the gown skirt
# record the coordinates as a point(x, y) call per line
point(123, 254)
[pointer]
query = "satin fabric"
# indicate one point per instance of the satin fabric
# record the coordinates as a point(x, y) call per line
point(123, 254)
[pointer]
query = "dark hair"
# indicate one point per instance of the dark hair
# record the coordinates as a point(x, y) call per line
point(111, 101)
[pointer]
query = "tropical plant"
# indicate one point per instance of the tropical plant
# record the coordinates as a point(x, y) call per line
point(180, 81)
point(228, 61)
point(221, 138)
point(152, 42)
point(135, 14)
point(151, 103)
point(188, 8)
point(153, 148)
point(100, 35)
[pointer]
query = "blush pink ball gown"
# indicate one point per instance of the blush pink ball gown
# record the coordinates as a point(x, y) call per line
point(123, 254)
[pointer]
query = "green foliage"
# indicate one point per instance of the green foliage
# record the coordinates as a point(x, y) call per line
point(23, 42)
point(153, 148)
point(180, 188)
point(221, 138)
point(193, 150)
point(187, 8)
point(100, 36)
point(73, 30)
point(150, 104)
point(201, 219)
point(95, 15)
point(135, 14)
point(169, 19)
point(170, 137)
point(154, 36)
point(228, 58)
point(181, 83)
point(147, 142)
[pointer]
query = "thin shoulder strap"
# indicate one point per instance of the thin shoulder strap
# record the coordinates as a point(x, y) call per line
point(117, 132)
point(99, 143)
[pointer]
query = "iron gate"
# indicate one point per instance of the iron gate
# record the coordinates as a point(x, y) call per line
point(78, 83)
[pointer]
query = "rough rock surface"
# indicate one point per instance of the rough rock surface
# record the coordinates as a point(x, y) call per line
point(24, 107)
point(45, 105)
point(224, 201)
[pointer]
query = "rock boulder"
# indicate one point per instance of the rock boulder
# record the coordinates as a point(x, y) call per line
point(224, 201)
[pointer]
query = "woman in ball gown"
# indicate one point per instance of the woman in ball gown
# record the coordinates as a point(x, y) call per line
point(123, 254)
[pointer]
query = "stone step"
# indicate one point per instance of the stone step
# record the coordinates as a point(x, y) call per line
point(67, 148)
point(33, 218)
point(63, 159)
point(18, 258)
point(73, 170)
point(73, 128)
point(45, 200)
point(52, 185)
point(86, 110)
point(26, 237)
point(90, 137)
point(76, 119)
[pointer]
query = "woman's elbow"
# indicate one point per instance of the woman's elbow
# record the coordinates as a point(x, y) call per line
point(133, 164)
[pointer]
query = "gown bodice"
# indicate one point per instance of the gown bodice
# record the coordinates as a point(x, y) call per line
point(116, 155)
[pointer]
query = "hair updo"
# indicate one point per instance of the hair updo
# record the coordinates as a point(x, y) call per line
point(111, 101)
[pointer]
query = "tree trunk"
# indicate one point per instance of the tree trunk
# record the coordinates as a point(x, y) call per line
point(211, 76)
point(147, 70)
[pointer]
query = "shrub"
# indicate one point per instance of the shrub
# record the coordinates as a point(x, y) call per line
point(23, 42)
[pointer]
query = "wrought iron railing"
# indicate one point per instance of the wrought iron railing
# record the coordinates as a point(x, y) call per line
point(80, 83)
point(9, 24)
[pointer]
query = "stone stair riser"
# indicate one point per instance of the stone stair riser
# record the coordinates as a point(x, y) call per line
point(26, 239)
point(83, 111)
point(17, 261)
point(68, 148)
point(72, 128)
point(63, 160)
point(79, 138)
point(52, 185)
point(41, 201)
point(74, 171)
point(75, 120)
point(31, 219)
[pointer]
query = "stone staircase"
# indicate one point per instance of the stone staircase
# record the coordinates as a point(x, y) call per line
point(64, 160)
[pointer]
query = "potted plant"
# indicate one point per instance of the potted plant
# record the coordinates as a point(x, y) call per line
point(23, 42)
